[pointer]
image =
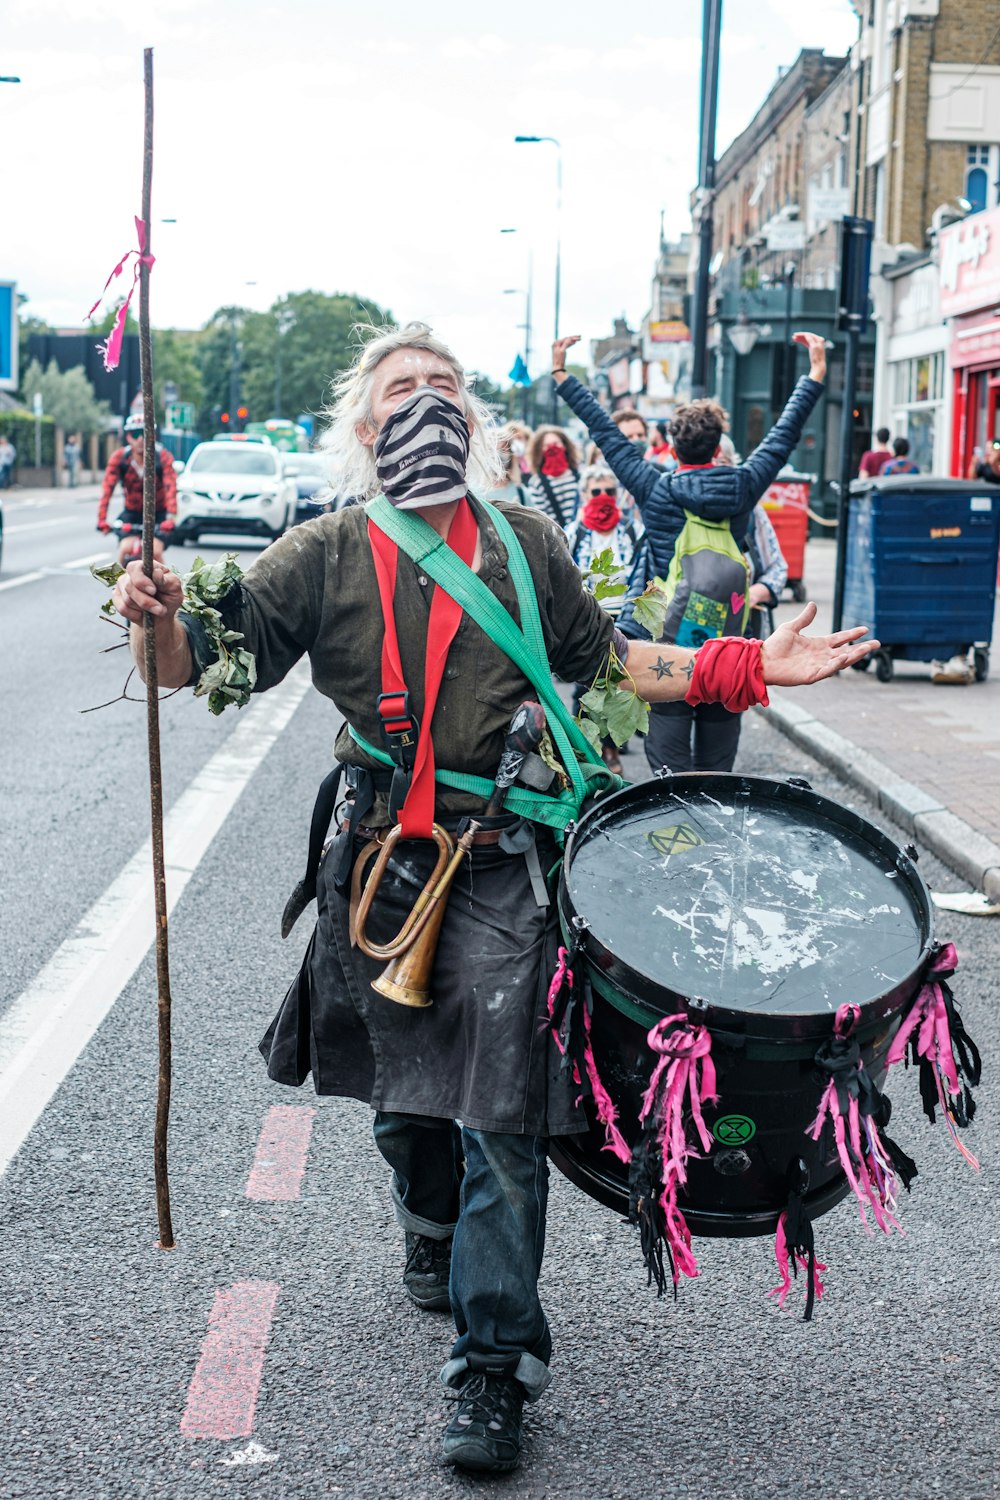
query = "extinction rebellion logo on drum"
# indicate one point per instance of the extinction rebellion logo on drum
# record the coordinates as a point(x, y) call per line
point(734, 1130)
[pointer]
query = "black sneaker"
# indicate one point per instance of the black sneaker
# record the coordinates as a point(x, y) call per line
point(428, 1267)
point(485, 1432)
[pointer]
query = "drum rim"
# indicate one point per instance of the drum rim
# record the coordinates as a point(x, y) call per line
point(803, 1027)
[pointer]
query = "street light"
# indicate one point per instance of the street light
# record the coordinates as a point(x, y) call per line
point(536, 140)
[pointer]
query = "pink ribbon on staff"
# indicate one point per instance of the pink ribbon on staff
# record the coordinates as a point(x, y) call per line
point(112, 347)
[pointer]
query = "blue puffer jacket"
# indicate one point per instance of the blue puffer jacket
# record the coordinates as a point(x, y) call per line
point(717, 493)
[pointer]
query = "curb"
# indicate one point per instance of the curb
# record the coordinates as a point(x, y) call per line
point(969, 853)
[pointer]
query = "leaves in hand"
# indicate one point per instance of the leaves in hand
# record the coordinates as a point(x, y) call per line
point(650, 609)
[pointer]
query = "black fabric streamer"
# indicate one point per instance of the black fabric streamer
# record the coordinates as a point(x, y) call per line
point(645, 1210)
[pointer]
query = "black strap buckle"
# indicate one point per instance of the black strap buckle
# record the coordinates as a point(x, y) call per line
point(401, 731)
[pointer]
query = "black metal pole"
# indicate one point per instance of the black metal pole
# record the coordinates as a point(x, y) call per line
point(846, 471)
point(711, 29)
point(788, 352)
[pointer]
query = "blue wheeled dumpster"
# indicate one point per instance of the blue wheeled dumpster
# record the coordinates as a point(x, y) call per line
point(921, 568)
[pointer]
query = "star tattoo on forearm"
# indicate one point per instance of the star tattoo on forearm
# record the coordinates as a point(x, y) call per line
point(662, 668)
point(688, 668)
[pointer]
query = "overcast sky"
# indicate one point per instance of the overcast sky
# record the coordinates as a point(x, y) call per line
point(369, 148)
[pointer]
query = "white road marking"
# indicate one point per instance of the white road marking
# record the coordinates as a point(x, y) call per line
point(46, 1029)
point(79, 562)
point(37, 526)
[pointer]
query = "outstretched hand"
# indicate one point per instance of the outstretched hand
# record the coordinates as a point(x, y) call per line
point(815, 343)
point(559, 351)
point(791, 658)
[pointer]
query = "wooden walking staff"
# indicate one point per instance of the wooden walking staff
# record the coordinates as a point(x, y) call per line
point(152, 689)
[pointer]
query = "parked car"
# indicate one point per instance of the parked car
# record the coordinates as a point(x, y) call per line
point(234, 485)
point(311, 472)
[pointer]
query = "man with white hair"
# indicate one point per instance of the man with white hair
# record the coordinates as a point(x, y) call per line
point(470, 1200)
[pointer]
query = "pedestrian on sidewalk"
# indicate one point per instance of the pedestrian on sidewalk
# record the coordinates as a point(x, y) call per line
point(705, 736)
point(900, 463)
point(469, 1198)
point(873, 460)
point(987, 469)
point(71, 457)
point(8, 458)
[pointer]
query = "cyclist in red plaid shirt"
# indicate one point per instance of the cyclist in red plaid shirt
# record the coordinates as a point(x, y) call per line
point(125, 466)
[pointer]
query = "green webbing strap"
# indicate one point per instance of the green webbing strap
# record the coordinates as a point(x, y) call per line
point(539, 807)
point(524, 647)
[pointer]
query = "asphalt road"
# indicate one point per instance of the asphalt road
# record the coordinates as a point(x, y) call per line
point(890, 1391)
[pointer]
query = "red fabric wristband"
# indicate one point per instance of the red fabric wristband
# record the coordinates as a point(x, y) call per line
point(728, 670)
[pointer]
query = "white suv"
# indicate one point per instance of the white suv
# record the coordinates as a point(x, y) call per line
point(234, 485)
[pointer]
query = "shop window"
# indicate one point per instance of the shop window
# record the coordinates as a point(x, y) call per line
point(755, 427)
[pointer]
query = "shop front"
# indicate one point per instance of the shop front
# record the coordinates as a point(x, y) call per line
point(970, 297)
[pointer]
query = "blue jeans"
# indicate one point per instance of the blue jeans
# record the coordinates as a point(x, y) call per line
point(496, 1212)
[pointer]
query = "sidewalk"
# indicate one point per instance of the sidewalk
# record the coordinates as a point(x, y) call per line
point(929, 754)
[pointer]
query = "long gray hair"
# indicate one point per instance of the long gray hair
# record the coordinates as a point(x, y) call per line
point(351, 407)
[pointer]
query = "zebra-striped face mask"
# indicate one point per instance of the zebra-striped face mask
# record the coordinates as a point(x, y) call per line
point(422, 451)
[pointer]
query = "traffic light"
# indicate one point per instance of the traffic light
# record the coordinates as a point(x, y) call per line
point(224, 419)
point(241, 416)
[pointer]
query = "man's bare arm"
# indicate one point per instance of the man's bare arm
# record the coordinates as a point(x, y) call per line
point(789, 658)
point(139, 599)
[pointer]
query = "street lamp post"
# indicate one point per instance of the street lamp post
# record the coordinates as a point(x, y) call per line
point(283, 320)
point(532, 140)
point(711, 30)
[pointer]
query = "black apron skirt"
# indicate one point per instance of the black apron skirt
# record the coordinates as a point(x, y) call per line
point(482, 1052)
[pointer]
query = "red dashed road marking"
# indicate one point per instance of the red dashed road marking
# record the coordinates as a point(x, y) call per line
point(279, 1163)
point(222, 1396)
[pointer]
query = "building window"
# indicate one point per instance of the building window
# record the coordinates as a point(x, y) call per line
point(918, 401)
point(982, 177)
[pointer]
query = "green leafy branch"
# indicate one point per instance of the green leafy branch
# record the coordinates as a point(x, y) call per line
point(611, 708)
point(231, 676)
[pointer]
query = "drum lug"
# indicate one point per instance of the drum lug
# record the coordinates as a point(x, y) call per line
point(570, 829)
point(662, 773)
point(580, 925)
point(695, 1002)
point(912, 852)
point(799, 781)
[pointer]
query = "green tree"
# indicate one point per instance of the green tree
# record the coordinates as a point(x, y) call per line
point(175, 362)
point(288, 355)
point(67, 396)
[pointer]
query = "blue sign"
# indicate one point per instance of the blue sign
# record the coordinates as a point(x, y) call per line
point(519, 372)
point(305, 419)
point(8, 336)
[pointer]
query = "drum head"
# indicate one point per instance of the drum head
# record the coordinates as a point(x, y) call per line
point(755, 898)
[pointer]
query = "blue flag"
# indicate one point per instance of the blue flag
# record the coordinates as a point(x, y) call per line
point(519, 372)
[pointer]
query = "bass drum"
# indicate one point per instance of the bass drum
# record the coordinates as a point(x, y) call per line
point(757, 907)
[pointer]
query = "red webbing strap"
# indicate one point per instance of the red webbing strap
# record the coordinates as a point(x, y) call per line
point(417, 814)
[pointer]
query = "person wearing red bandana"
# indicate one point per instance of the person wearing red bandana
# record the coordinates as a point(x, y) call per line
point(347, 591)
point(603, 527)
point(554, 485)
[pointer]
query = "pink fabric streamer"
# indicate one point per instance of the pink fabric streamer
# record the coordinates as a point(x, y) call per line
point(866, 1164)
point(112, 347)
point(782, 1256)
point(683, 1077)
point(603, 1103)
point(928, 1017)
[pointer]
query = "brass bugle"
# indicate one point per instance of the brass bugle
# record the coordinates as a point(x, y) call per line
point(407, 979)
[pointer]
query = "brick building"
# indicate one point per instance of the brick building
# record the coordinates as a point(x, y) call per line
point(928, 110)
point(780, 188)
